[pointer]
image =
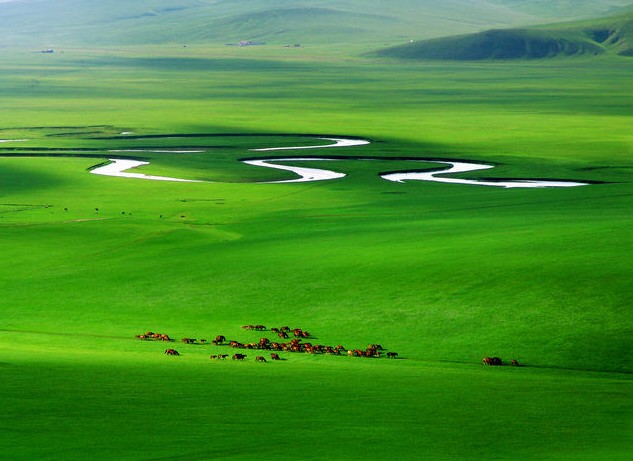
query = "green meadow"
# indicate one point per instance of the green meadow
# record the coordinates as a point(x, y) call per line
point(443, 274)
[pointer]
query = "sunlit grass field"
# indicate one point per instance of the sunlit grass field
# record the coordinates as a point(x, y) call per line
point(443, 274)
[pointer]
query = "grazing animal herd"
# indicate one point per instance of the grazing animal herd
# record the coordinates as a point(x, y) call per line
point(299, 344)
point(294, 345)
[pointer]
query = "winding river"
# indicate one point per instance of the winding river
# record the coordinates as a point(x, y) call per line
point(120, 167)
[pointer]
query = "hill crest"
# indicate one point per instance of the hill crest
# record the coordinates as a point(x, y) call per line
point(606, 36)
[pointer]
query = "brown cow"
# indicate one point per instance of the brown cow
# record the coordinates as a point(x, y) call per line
point(274, 356)
point(171, 352)
point(219, 339)
point(260, 358)
point(514, 363)
point(492, 361)
point(392, 355)
point(238, 357)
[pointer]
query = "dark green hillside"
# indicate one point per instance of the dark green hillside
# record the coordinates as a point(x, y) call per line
point(613, 35)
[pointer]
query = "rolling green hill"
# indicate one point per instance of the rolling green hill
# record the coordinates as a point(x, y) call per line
point(78, 22)
point(611, 35)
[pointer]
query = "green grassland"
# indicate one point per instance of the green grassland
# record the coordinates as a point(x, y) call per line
point(443, 274)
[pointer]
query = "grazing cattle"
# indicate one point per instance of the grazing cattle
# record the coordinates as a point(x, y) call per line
point(203, 341)
point(223, 356)
point(305, 334)
point(248, 327)
point(285, 328)
point(219, 339)
point(188, 340)
point(165, 338)
point(142, 337)
point(274, 356)
point(171, 352)
point(275, 330)
point(238, 357)
point(514, 363)
point(260, 358)
point(260, 328)
point(492, 361)
point(213, 357)
point(282, 334)
point(392, 355)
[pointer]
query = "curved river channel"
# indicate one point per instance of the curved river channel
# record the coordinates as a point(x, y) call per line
point(120, 168)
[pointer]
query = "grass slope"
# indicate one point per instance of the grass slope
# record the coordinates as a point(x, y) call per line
point(442, 274)
point(574, 39)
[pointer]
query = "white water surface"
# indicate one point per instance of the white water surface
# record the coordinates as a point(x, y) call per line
point(463, 167)
point(119, 167)
point(305, 174)
point(162, 151)
point(338, 142)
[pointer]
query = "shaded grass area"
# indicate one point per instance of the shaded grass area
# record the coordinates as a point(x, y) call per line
point(190, 407)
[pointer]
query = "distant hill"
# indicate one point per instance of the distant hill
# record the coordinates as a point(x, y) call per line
point(44, 23)
point(567, 9)
point(610, 35)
